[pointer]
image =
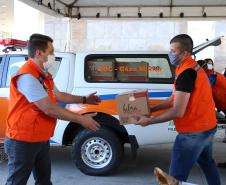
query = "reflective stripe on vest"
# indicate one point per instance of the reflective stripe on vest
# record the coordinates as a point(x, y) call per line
point(200, 111)
point(26, 122)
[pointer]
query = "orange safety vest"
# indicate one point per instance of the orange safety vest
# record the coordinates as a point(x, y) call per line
point(219, 91)
point(210, 72)
point(26, 122)
point(200, 112)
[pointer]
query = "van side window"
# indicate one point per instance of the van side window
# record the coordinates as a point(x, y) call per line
point(15, 62)
point(128, 68)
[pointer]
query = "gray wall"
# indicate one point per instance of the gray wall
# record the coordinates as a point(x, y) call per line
point(134, 35)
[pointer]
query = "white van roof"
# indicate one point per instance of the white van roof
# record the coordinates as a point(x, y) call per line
point(214, 42)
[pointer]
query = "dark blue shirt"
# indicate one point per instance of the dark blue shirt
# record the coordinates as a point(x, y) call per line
point(212, 79)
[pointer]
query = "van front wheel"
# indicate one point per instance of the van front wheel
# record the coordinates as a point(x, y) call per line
point(97, 153)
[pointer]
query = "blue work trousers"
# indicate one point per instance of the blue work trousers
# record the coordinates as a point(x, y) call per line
point(192, 148)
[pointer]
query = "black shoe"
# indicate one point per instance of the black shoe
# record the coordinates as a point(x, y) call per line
point(222, 165)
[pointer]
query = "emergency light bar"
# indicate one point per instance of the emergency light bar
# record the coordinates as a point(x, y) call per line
point(13, 42)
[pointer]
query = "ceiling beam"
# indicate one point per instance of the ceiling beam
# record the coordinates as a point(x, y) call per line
point(72, 4)
point(155, 11)
point(126, 6)
point(61, 2)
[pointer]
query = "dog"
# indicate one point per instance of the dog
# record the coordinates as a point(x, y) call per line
point(164, 179)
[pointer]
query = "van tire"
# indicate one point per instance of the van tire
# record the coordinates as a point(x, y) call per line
point(102, 154)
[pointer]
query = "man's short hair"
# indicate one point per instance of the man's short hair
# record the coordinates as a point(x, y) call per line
point(202, 64)
point(185, 41)
point(38, 42)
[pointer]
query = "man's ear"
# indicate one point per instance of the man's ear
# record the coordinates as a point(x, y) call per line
point(37, 53)
point(186, 53)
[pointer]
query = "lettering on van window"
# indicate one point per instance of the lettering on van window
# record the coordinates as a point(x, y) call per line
point(97, 66)
point(101, 71)
point(126, 68)
point(104, 68)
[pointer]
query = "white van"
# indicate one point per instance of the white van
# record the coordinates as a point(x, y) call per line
point(108, 73)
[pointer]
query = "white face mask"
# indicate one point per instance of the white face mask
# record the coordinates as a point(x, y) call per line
point(50, 62)
point(210, 66)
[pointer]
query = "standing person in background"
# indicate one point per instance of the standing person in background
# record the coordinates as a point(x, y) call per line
point(33, 112)
point(224, 73)
point(218, 84)
point(192, 109)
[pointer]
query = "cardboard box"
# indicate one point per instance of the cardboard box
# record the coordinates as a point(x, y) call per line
point(132, 103)
point(101, 70)
point(132, 71)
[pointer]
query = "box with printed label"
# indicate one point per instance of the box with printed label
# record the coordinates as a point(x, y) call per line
point(132, 103)
point(132, 71)
point(101, 70)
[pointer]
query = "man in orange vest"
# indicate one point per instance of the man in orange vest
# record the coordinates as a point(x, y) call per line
point(224, 72)
point(218, 84)
point(33, 112)
point(192, 109)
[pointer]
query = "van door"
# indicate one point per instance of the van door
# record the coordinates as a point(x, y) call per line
point(64, 76)
point(9, 66)
point(3, 101)
point(112, 74)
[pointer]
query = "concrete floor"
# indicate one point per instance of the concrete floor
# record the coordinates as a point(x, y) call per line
point(137, 172)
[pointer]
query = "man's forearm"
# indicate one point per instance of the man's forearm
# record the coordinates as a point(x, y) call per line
point(58, 112)
point(166, 116)
point(68, 98)
point(165, 104)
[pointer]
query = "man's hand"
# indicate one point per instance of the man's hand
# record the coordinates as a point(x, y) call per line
point(88, 122)
point(93, 99)
point(143, 120)
point(55, 111)
point(152, 107)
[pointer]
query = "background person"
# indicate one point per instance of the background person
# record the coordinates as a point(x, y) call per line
point(193, 110)
point(33, 112)
point(218, 84)
point(224, 72)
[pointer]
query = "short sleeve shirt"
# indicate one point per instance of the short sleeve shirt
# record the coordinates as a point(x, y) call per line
point(31, 88)
point(185, 82)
